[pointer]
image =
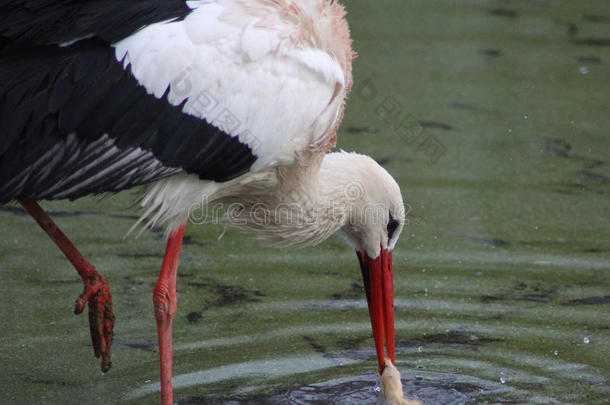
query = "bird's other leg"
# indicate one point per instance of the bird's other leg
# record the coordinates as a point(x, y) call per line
point(97, 289)
point(166, 303)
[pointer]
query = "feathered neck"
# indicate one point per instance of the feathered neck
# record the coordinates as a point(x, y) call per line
point(308, 204)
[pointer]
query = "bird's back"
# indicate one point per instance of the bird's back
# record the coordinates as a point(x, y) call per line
point(96, 94)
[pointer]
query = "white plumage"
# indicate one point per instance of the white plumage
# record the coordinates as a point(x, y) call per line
point(344, 192)
point(243, 75)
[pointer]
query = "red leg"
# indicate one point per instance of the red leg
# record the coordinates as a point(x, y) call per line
point(166, 303)
point(97, 290)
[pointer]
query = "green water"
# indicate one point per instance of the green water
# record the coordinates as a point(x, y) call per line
point(502, 274)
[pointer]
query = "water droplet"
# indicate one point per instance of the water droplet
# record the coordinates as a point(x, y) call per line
point(510, 130)
point(525, 117)
point(536, 227)
point(420, 349)
point(586, 340)
point(583, 70)
point(377, 385)
point(556, 352)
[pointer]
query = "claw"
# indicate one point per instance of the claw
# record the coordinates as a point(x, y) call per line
point(101, 317)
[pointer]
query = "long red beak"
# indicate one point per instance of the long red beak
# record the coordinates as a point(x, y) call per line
point(377, 275)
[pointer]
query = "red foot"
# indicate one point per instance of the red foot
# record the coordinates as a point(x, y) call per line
point(97, 290)
point(101, 316)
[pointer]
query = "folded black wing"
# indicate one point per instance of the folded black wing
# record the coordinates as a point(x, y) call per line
point(73, 121)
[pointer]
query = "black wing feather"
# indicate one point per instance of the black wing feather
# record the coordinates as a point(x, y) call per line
point(45, 22)
point(70, 113)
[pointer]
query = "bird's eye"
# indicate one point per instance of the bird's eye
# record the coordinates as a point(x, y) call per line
point(392, 225)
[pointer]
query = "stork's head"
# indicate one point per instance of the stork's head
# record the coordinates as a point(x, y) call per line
point(375, 219)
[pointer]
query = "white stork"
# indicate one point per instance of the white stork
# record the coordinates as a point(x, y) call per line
point(213, 101)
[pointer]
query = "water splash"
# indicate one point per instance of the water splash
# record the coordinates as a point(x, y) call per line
point(377, 385)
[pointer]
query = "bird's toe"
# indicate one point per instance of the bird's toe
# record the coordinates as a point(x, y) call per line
point(101, 316)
